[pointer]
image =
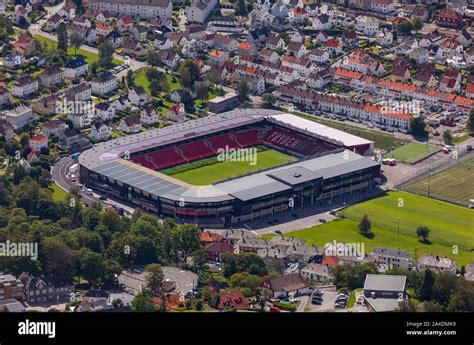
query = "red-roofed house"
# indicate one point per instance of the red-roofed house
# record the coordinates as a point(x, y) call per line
point(215, 250)
point(334, 46)
point(38, 142)
point(470, 90)
point(207, 237)
point(124, 24)
point(449, 19)
point(233, 300)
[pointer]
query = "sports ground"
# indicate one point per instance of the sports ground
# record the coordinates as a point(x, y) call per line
point(456, 183)
point(211, 170)
point(450, 225)
point(410, 152)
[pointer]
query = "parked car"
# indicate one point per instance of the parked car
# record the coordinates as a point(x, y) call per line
point(278, 232)
point(274, 310)
point(317, 301)
point(322, 220)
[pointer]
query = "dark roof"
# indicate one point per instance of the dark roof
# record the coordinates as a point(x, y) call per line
point(287, 282)
point(32, 283)
point(76, 63)
point(295, 175)
point(103, 77)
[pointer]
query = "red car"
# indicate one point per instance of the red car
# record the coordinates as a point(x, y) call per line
point(274, 310)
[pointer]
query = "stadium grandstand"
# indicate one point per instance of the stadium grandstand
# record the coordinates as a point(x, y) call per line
point(328, 163)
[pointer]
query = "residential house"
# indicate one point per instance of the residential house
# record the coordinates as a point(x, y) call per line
point(149, 115)
point(425, 76)
point(322, 22)
point(334, 46)
point(315, 272)
point(275, 42)
point(125, 24)
point(100, 131)
point(200, 10)
point(285, 285)
point(382, 6)
point(103, 29)
point(10, 288)
point(169, 58)
point(384, 37)
point(215, 250)
point(20, 15)
point(104, 17)
point(367, 25)
point(176, 113)
point(71, 139)
point(51, 76)
point(133, 48)
point(383, 293)
point(139, 97)
point(38, 142)
point(82, 21)
point(415, 11)
point(75, 68)
point(234, 300)
point(25, 45)
point(420, 55)
point(78, 93)
point(389, 258)
point(4, 96)
point(130, 125)
point(400, 73)
point(296, 49)
point(11, 305)
point(218, 56)
point(437, 264)
point(140, 32)
point(104, 111)
point(54, 127)
point(47, 105)
point(349, 38)
point(145, 9)
point(13, 60)
point(53, 22)
point(19, 116)
point(449, 18)
point(464, 38)
point(103, 83)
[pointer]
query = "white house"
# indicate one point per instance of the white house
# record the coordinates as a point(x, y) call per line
point(149, 115)
point(100, 132)
point(75, 68)
point(139, 97)
point(176, 113)
point(367, 25)
point(103, 83)
point(24, 86)
point(145, 9)
point(38, 142)
point(18, 117)
point(130, 124)
point(200, 10)
point(104, 111)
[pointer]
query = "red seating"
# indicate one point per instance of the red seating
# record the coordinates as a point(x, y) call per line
point(298, 143)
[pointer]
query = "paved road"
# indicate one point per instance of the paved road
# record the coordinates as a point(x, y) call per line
point(134, 279)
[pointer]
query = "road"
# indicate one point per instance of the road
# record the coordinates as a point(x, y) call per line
point(134, 279)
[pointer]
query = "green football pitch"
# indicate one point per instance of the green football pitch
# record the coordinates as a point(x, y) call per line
point(211, 170)
point(410, 152)
point(456, 183)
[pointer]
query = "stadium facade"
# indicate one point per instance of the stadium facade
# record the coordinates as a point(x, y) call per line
point(330, 163)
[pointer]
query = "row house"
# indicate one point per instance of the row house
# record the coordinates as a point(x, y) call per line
point(145, 9)
point(302, 66)
point(256, 84)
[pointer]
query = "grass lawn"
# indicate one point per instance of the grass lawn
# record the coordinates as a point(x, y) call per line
point(449, 224)
point(210, 170)
point(455, 183)
point(88, 56)
point(346, 230)
point(381, 140)
point(58, 193)
point(140, 79)
point(410, 152)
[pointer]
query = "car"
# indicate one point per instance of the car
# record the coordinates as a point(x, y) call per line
point(332, 212)
point(278, 232)
point(469, 148)
point(318, 293)
point(103, 198)
point(274, 310)
point(340, 305)
point(316, 301)
point(322, 220)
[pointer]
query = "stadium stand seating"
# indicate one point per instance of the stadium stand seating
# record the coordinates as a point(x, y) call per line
point(278, 137)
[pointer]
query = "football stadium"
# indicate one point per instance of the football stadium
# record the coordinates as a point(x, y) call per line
point(287, 162)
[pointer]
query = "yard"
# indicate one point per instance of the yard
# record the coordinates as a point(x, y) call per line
point(410, 152)
point(89, 57)
point(58, 193)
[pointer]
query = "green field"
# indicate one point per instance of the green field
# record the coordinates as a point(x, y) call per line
point(381, 140)
point(450, 225)
point(410, 152)
point(88, 56)
point(58, 193)
point(140, 79)
point(456, 183)
point(210, 170)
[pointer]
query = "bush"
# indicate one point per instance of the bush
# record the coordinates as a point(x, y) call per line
point(285, 306)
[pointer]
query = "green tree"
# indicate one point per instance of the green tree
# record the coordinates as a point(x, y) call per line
point(185, 240)
point(62, 37)
point(269, 99)
point(470, 121)
point(425, 292)
point(406, 27)
point(153, 58)
point(423, 232)
point(106, 52)
point(130, 81)
point(241, 8)
point(444, 286)
point(143, 303)
point(447, 137)
point(76, 41)
point(417, 126)
point(365, 226)
point(243, 90)
point(154, 278)
point(417, 24)
point(188, 72)
point(202, 92)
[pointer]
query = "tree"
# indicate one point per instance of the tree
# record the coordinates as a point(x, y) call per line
point(130, 81)
point(365, 225)
point(417, 126)
point(241, 9)
point(62, 37)
point(243, 91)
point(470, 121)
point(153, 58)
point(423, 232)
point(154, 278)
point(106, 52)
point(155, 87)
point(444, 286)
point(76, 41)
point(188, 72)
point(417, 24)
point(406, 27)
point(202, 92)
point(143, 303)
point(463, 298)
point(425, 292)
point(447, 137)
point(185, 240)
point(269, 99)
